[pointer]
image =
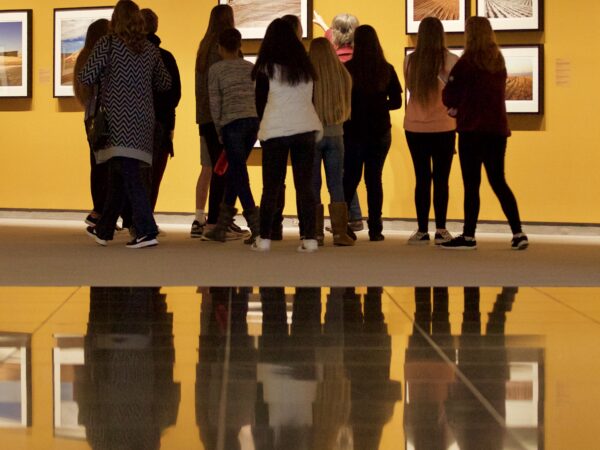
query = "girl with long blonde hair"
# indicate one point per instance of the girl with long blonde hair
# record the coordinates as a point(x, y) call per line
point(430, 132)
point(332, 97)
point(476, 93)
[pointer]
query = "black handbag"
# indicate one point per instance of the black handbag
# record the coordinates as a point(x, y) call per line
point(96, 122)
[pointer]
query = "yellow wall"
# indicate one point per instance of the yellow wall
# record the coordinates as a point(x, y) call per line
point(550, 160)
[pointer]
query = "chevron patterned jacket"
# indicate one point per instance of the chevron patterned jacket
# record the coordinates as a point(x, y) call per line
point(127, 81)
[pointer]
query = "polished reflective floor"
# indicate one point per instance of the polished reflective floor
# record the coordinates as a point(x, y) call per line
point(357, 368)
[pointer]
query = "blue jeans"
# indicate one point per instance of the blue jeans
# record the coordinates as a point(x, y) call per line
point(301, 148)
point(369, 153)
point(239, 137)
point(125, 182)
point(330, 150)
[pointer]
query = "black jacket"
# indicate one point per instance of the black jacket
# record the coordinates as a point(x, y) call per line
point(166, 102)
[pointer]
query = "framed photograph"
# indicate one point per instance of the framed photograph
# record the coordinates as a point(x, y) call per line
point(70, 29)
point(252, 17)
point(15, 380)
point(15, 53)
point(525, 83)
point(513, 15)
point(452, 13)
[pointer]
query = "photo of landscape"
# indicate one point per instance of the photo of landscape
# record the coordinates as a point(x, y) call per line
point(253, 16)
point(442, 9)
point(519, 84)
point(72, 38)
point(508, 9)
point(11, 53)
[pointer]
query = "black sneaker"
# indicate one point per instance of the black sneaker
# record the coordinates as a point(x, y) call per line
point(460, 243)
point(376, 237)
point(144, 241)
point(91, 231)
point(519, 242)
point(197, 229)
point(91, 220)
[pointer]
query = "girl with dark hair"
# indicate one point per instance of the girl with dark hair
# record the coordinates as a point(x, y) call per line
point(129, 68)
point(284, 88)
point(376, 91)
point(83, 94)
point(221, 18)
point(430, 131)
point(476, 94)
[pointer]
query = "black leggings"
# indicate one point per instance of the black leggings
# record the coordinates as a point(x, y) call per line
point(432, 158)
point(475, 150)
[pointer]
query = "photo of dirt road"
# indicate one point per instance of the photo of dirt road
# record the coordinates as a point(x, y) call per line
point(11, 57)
point(442, 9)
point(508, 9)
point(519, 84)
point(259, 13)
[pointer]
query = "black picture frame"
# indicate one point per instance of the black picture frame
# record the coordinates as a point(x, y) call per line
point(19, 69)
point(453, 19)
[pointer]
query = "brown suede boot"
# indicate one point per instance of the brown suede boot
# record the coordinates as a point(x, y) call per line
point(338, 212)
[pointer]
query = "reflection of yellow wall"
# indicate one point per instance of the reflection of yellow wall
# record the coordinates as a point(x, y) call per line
point(45, 160)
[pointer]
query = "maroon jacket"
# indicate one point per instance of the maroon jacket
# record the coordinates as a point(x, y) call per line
point(479, 98)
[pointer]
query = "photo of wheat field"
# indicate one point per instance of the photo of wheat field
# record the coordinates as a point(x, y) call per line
point(442, 9)
point(260, 13)
point(11, 54)
point(508, 9)
point(519, 84)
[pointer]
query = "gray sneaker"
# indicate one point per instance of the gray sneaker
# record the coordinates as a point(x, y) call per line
point(197, 229)
point(442, 236)
point(419, 238)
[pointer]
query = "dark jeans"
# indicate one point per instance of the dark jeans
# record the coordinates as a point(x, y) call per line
point(369, 153)
point(98, 181)
point(163, 148)
point(301, 148)
point(217, 182)
point(239, 137)
point(475, 150)
point(432, 158)
point(125, 182)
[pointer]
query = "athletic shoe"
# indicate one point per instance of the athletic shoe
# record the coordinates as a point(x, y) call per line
point(356, 225)
point(519, 242)
point(91, 220)
point(197, 229)
point(236, 229)
point(148, 240)
point(261, 245)
point(460, 243)
point(91, 231)
point(308, 246)
point(442, 236)
point(376, 237)
point(231, 235)
point(419, 238)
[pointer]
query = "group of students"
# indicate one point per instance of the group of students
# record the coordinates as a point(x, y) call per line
point(330, 106)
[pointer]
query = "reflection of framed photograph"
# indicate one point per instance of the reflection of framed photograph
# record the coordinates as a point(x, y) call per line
point(252, 17)
point(70, 29)
point(452, 13)
point(514, 15)
point(15, 380)
point(525, 82)
point(15, 53)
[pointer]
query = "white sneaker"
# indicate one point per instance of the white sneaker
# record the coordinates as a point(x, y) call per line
point(308, 246)
point(442, 236)
point(261, 245)
point(418, 238)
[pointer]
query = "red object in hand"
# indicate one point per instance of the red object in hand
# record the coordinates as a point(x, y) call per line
point(222, 164)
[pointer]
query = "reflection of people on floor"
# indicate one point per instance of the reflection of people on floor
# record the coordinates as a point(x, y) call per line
point(428, 376)
point(127, 395)
point(367, 359)
point(226, 387)
point(483, 360)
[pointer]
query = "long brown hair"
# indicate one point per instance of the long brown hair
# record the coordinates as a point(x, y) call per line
point(369, 68)
point(332, 94)
point(481, 48)
point(127, 23)
point(95, 31)
point(426, 62)
point(221, 18)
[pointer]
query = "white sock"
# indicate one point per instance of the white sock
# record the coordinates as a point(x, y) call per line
point(200, 216)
